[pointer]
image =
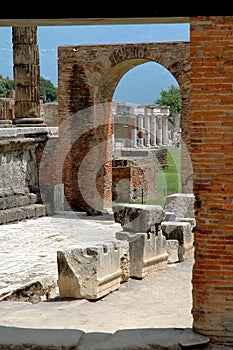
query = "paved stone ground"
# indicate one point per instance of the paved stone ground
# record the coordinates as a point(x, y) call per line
point(28, 248)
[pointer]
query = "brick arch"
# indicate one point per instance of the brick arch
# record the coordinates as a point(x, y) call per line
point(87, 79)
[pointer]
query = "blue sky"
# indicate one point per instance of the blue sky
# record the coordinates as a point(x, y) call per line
point(141, 85)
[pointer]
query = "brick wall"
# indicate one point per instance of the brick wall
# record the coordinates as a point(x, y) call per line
point(211, 135)
point(87, 78)
point(129, 179)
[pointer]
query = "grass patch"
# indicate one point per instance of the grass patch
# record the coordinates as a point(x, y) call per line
point(168, 180)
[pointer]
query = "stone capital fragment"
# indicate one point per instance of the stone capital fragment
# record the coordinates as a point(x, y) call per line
point(92, 271)
point(138, 217)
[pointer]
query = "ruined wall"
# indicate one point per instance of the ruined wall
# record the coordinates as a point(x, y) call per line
point(51, 113)
point(19, 185)
point(211, 52)
point(130, 178)
point(87, 78)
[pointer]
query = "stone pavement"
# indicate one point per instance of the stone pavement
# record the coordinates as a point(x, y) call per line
point(162, 300)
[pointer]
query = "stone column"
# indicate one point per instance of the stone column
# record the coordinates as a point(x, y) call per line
point(140, 131)
point(165, 113)
point(165, 129)
point(26, 76)
point(7, 106)
point(147, 126)
point(153, 127)
point(159, 130)
point(134, 131)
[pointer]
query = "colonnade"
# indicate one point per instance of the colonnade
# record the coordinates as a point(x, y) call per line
point(148, 124)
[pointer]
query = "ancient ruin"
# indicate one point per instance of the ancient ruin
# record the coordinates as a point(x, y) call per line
point(203, 69)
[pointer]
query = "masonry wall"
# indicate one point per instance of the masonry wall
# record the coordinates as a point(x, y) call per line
point(19, 183)
point(87, 79)
point(211, 135)
point(133, 182)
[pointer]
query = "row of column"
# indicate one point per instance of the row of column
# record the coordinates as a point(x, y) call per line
point(150, 129)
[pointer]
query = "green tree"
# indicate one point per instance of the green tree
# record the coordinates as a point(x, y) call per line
point(48, 92)
point(6, 85)
point(172, 98)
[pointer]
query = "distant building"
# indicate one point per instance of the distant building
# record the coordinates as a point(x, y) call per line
point(143, 126)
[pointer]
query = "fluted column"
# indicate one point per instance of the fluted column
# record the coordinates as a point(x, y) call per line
point(165, 110)
point(147, 126)
point(153, 128)
point(134, 132)
point(165, 129)
point(160, 129)
point(26, 76)
point(140, 130)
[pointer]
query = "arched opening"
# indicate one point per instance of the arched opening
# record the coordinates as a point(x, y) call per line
point(160, 131)
point(212, 290)
point(102, 94)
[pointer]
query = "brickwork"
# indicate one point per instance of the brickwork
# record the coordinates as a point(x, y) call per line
point(211, 133)
point(87, 78)
point(129, 179)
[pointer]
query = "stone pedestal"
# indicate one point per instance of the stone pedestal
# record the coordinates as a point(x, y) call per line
point(182, 232)
point(91, 271)
point(147, 252)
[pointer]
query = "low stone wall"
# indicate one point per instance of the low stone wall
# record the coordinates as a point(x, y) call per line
point(19, 187)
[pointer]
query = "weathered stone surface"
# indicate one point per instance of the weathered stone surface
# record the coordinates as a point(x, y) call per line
point(144, 339)
point(35, 291)
point(182, 204)
point(170, 216)
point(192, 221)
point(127, 339)
point(172, 246)
point(147, 252)
point(58, 197)
point(91, 271)
point(22, 213)
point(182, 232)
point(123, 247)
point(29, 338)
point(138, 217)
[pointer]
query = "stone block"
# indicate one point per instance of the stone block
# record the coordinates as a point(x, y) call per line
point(58, 197)
point(147, 252)
point(123, 247)
point(40, 210)
point(39, 289)
point(182, 204)
point(11, 215)
point(172, 246)
point(91, 271)
point(182, 232)
point(138, 217)
point(191, 220)
point(30, 211)
point(3, 218)
point(170, 216)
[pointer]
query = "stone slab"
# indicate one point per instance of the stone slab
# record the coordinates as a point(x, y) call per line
point(182, 204)
point(91, 271)
point(128, 339)
point(182, 232)
point(29, 338)
point(138, 217)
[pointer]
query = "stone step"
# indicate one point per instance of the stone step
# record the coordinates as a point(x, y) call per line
point(17, 200)
point(22, 213)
